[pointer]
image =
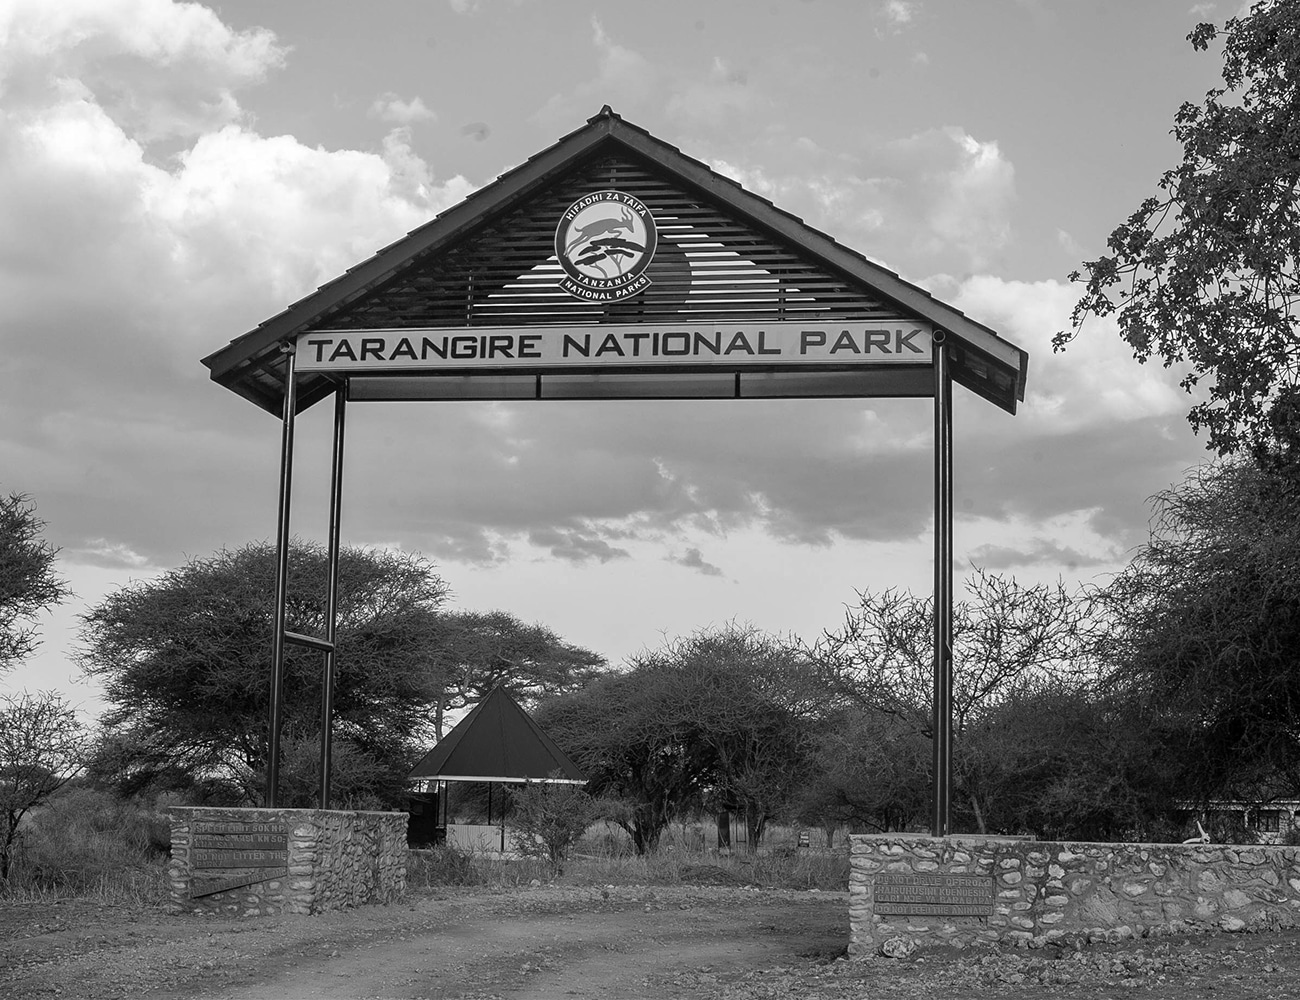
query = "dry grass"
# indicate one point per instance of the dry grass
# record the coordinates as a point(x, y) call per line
point(603, 858)
point(89, 845)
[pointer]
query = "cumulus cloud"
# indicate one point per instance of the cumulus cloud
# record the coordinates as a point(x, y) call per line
point(966, 194)
point(1072, 247)
point(1038, 551)
point(110, 555)
point(1095, 381)
point(575, 545)
point(692, 558)
point(897, 14)
point(829, 198)
point(123, 55)
point(941, 196)
point(120, 271)
point(1083, 543)
point(388, 107)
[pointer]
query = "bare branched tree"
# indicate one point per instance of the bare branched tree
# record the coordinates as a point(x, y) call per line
point(42, 747)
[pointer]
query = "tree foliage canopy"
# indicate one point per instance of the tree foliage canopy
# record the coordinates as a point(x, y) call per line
point(475, 651)
point(184, 660)
point(1064, 761)
point(185, 663)
point(1204, 636)
point(28, 583)
point(1029, 731)
point(1206, 273)
point(871, 771)
point(721, 719)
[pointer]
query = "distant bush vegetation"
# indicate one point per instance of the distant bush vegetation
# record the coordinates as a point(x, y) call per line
point(89, 843)
point(604, 856)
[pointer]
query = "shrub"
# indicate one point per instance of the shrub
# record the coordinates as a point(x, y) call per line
point(89, 843)
point(548, 820)
point(440, 865)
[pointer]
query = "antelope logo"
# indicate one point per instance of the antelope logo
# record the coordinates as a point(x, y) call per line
point(604, 242)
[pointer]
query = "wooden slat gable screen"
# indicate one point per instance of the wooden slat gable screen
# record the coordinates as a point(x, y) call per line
point(708, 267)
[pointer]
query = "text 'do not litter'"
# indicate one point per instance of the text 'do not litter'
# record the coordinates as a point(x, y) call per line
point(933, 895)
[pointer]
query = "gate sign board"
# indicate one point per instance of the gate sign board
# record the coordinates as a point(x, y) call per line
point(612, 265)
point(613, 254)
point(776, 346)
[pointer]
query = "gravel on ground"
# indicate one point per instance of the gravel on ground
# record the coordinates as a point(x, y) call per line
point(629, 942)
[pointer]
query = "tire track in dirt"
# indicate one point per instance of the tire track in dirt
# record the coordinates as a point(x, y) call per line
point(629, 953)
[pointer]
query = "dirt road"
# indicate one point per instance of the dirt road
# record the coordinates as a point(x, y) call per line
point(638, 943)
point(541, 942)
point(651, 950)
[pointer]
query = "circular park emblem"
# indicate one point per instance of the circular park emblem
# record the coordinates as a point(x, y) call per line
point(605, 241)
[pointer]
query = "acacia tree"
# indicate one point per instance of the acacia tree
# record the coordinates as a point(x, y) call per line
point(619, 731)
point(870, 771)
point(1205, 275)
point(1008, 639)
point(747, 704)
point(1004, 635)
point(721, 719)
point(1204, 628)
point(28, 583)
point(184, 662)
point(476, 651)
point(42, 747)
point(1063, 761)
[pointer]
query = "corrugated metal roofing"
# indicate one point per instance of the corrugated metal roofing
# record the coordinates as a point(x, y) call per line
point(497, 741)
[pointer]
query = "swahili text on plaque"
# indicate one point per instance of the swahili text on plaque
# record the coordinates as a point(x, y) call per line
point(934, 895)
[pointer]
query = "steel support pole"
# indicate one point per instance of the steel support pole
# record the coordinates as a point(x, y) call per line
point(332, 600)
point(940, 816)
point(281, 583)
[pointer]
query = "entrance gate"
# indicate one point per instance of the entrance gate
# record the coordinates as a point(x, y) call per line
point(611, 265)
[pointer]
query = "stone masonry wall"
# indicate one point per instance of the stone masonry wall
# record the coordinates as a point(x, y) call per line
point(260, 861)
point(1075, 892)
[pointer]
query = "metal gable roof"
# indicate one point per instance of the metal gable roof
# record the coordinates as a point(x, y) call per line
point(253, 365)
point(499, 741)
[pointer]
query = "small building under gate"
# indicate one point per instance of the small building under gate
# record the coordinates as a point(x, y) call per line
point(497, 743)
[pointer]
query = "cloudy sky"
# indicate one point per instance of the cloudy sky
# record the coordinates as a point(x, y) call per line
point(173, 173)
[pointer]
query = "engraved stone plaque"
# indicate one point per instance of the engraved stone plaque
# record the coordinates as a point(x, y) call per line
point(239, 845)
point(934, 895)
